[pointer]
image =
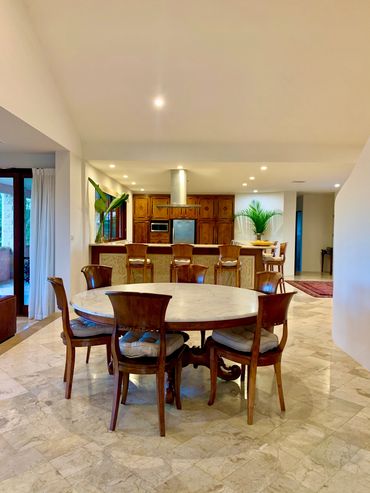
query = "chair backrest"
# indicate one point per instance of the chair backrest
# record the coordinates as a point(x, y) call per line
point(191, 273)
point(141, 312)
point(182, 250)
point(97, 276)
point(283, 250)
point(62, 303)
point(268, 281)
point(136, 250)
point(229, 252)
point(272, 311)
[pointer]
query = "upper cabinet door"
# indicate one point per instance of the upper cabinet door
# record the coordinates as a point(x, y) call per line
point(141, 207)
point(191, 212)
point(160, 212)
point(206, 210)
point(226, 207)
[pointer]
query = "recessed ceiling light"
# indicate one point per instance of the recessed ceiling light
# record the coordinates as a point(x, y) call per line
point(133, 183)
point(252, 178)
point(180, 166)
point(112, 165)
point(125, 176)
point(141, 189)
point(263, 168)
point(337, 185)
point(244, 184)
point(159, 102)
point(255, 191)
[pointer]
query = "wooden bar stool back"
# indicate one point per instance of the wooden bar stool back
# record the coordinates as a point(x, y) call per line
point(277, 261)
point(228, 261)
point(182, 254)
point(137, 259)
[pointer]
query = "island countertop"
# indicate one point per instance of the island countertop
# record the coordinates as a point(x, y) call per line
point(114, 254)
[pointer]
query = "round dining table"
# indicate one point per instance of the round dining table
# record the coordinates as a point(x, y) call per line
point(192, 307)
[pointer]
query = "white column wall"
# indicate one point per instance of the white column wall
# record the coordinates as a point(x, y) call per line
point(317, 228)
point(351, 305)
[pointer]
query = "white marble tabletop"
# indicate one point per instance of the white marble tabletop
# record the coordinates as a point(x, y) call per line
point(190, 303)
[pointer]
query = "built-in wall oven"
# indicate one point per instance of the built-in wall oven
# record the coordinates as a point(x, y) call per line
point(159, 227)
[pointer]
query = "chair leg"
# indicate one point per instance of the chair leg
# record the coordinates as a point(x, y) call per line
point(213, 370)
point(125, 384)
point(251, 391)
point(65, 366)
point(178, 370)
point(116, 395)
point(109, 359)
point(71, 354)
point(215, 275)
point(242, 373)
point(202, 338)
point(279, 382)
point(160, 402)
point(88, 354)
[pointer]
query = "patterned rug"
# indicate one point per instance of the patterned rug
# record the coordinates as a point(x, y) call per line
point(318, 289)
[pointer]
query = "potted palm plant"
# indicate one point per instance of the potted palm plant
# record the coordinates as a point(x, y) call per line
point(259, 217)
point(103, 207)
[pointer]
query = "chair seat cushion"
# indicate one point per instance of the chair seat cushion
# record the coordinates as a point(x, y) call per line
point(85, 328)
point(228, 263)
point(269, 256)
point(138, 261)
point(137, 344)
point(181, 261)
point(273, 259)
point(241, 339)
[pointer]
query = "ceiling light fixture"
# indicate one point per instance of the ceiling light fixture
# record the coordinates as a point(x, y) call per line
point(141, 189)
point(180, 166)
point(133, 183)
point(255, 191)
point(112, 165)
point(337, 185)
point(263, 168)
point(125, 176)
point(244, 184)
point(159, 102)
point(252, 178)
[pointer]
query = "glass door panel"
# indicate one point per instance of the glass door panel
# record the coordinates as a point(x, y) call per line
point(27, 186)
point(6, 236)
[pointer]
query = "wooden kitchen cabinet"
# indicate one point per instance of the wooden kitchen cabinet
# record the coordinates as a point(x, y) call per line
point(186, 212)
point(225, 207)
point(224, 232)
point(159, 212)
point(207, 207)
point(141, 231)
point(141, 206)
point(155, 237)
point(206, 232)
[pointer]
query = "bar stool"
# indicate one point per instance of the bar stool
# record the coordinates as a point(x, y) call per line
point(182, 255)
point(228, 262)
point(136, 259)
point(278, 261)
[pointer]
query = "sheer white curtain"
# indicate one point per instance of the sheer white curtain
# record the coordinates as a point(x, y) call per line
point(41, 302)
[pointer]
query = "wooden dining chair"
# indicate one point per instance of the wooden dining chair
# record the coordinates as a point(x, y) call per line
point(137, 259)
point(277, 261)
point(78, 332)
point(228, 261)
point(96, 276)
point(196, 274)
point(258, 347)
point(182, 254)
point(140, 345)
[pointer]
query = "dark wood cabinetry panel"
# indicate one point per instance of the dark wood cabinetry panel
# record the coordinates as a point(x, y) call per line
point(159, 212)
point(225, 207)
point(186, 212)
point(206, 232)
point(141, 231)
point(225, 232)
point(155, 237)
point(207, 207)
point(141, 206)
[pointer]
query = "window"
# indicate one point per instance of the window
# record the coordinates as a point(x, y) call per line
point(114, 222)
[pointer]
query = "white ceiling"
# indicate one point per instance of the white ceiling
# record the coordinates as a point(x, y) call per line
point(250, 74)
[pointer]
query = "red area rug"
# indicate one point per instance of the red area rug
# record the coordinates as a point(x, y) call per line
point(318, 289)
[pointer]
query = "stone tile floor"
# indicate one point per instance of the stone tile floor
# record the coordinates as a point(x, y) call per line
point(321, 443)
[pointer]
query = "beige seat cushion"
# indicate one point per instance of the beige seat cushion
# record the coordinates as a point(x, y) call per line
point(138, 261)
point(137, 344)
point(181, 261)
point(273, 259)
point(241, 339)
point(85, 328)
point(228, 263)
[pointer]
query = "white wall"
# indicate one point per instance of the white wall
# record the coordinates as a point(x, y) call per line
point(351, 303)
point(317, 228)
point(112, 187)
point(281, 228)
point(27, 87)
point(27, 160)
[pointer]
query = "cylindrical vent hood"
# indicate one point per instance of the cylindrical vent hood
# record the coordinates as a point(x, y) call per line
point(178, 187)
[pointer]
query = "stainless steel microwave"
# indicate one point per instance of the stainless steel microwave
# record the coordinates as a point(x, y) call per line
point(159, 227)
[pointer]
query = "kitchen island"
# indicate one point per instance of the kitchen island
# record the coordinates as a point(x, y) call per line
point(114, 255)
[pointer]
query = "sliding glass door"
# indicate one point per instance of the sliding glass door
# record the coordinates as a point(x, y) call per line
point(15, 211)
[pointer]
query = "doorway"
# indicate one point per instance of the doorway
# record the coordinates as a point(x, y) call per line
point(15, 215)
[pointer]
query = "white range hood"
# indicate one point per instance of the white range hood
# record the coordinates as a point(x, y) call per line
point(178, 190)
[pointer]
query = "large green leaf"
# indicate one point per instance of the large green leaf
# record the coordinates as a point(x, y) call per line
point(102, 195)
point(117, 202)
point(100, 205)
point(258, 216)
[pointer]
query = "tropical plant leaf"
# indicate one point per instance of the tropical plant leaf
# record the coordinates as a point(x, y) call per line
point(117, 202)
point(100, 192)
point(258, 216)
point(100, 205)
